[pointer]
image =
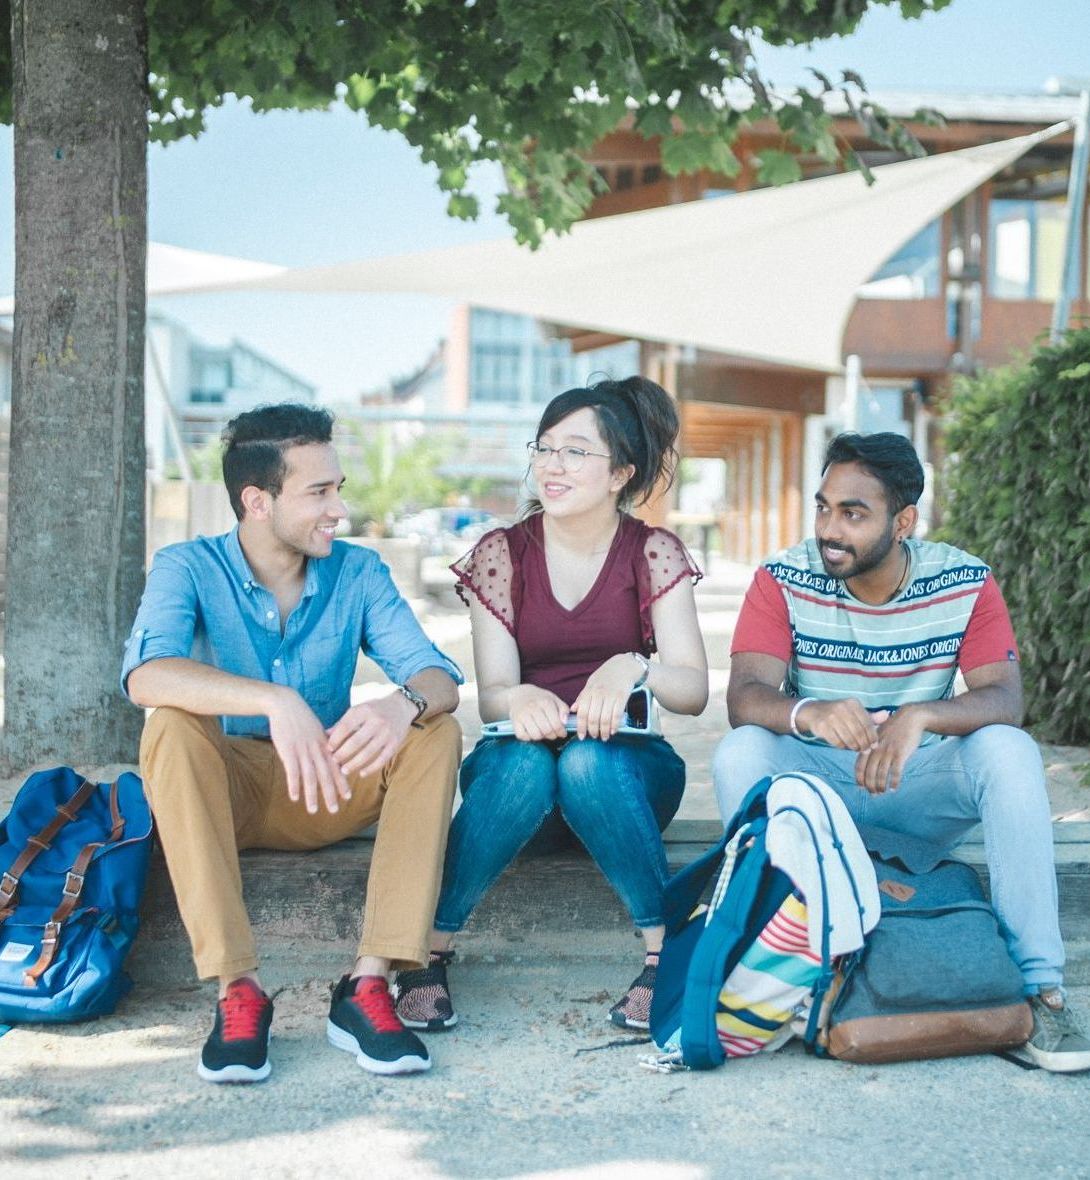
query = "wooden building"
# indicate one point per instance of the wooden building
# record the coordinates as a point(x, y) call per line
point(970, 290)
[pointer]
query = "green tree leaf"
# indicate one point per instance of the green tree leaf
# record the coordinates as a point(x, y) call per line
point(776, 167)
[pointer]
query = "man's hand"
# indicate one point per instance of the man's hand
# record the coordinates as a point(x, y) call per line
point(879, 769)
point(300, 741)
point(370, 734)
point(844, 724)
point(599, 708)
point(537, 714)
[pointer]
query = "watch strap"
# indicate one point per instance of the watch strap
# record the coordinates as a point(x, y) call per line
point(414, 698)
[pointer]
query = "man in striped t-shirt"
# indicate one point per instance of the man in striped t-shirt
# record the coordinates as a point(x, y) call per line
point(844, 664)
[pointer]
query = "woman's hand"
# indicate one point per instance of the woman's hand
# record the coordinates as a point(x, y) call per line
point(537, 714)
point(599, 708)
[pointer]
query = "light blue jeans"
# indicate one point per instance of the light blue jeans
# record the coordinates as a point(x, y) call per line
point(616, 796)
point(994, 776)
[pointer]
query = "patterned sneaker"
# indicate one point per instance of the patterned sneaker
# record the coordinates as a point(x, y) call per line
point(362, 1020)
point(237, 1049)
point(1058, 1042)
point(423, 996)
point(634, 1011)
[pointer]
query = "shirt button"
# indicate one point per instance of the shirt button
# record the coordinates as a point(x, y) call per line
point(270, 614)
point(247, 585)
point(276, 663)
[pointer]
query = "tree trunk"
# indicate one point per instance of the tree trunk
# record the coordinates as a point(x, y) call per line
point(76, 492)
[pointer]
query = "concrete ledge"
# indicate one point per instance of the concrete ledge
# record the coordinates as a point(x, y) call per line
point(311, 902)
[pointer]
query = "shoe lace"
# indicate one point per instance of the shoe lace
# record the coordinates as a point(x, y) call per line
point(242, 1009)
point(373, 999)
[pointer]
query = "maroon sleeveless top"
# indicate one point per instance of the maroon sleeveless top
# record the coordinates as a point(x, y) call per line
point(559, 648)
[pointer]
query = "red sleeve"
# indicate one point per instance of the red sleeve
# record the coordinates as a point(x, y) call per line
point(488, 571)
point(763, 624)
point(989, 636)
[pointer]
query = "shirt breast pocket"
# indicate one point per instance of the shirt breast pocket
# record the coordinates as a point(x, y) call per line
point(329, 663)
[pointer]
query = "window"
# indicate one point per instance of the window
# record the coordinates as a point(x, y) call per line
point(1025, 249)
point(495, 372)
point(911, 273)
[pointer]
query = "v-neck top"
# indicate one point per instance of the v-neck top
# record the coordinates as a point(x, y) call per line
point(559, 647)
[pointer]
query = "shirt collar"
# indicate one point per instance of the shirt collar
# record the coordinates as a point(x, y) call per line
point(241, 567)
point(237, 560)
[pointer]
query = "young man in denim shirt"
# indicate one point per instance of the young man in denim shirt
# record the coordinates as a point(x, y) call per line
point(245, 647)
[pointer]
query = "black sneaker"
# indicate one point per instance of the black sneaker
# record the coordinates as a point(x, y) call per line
point(634, 1010)
point(362, 1020)
point(237, 1049)
point(422, 996)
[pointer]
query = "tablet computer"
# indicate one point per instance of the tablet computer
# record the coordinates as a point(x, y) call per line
point(640, 719)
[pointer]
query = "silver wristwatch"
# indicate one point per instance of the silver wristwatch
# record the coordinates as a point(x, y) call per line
point(415, 698)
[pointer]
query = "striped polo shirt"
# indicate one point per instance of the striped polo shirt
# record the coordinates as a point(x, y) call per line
point(949, 615)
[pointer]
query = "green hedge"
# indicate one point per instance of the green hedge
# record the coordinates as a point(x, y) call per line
point(1016, 491)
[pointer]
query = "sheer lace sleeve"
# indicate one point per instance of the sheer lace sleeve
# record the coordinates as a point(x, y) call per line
point(487, 571)
point(666, 562)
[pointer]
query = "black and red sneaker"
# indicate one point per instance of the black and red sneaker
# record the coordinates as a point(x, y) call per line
point(237, 1049)
point(362, 1020)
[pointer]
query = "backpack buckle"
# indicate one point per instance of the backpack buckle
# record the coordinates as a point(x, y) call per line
point(73, 884)
point(8, 886)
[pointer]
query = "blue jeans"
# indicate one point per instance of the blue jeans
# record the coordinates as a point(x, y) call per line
point(616, 796)
point(993, 776)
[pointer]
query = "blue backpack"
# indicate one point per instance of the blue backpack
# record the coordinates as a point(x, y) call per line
point(73, 862)
point(703, 945)
point(935, 978)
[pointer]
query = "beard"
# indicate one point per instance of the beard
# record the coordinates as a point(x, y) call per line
point(861, 563)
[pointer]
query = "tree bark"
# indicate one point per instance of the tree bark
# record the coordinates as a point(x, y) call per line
point(76, 491)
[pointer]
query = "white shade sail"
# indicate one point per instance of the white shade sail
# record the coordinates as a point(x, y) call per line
point(770, 274)
point(173, 270)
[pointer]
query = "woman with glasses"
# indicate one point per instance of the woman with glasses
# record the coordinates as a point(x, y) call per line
point(567, 607)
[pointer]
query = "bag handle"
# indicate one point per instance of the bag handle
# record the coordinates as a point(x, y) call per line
point(38, 843)
point(73, 889)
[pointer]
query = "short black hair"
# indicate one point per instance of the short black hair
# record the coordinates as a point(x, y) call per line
point(254, 444)
point(889, 457)
point(639, 423)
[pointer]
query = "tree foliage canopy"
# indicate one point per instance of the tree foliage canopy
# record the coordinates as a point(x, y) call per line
point(1016, 485)
point(529, 85)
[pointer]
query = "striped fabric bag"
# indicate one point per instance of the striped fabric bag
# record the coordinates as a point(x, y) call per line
point(770, 986)
point(794, 889)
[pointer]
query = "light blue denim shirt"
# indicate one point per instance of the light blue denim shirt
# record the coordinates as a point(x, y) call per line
point(202, 602)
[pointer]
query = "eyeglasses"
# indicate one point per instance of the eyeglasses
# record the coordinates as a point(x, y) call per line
point(571, 458)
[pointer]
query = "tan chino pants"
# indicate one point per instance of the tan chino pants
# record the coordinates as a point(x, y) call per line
point(213, 795)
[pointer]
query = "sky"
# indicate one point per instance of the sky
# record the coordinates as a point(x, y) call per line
point(321, 187)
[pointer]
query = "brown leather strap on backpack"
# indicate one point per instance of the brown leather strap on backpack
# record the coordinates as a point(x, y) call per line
point(73, 889)
point(38, 843)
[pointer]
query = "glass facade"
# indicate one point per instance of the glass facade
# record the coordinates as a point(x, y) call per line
point(513, 362)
